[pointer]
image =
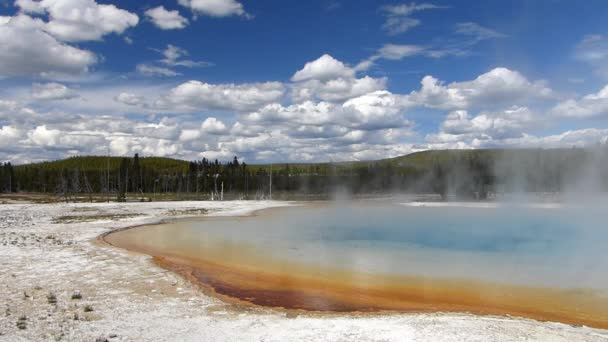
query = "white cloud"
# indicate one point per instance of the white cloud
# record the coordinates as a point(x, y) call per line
point(8, 136)
point(589, 106)
point(398, 17)
point(215, 8)
point(80, 20)
point(29, 51)
point(392, 52)
point(499, 86)
point(196, 95)
point(323, 68)
point(173, 57)
point(153, 70)
point(373, 111)
point(213, 126)
point(510, 123)
point(52, 91)
point(210, 127)
point(43, 136)
point(329, 79)
point(129, 99)
point(336, 90)
point(377, 110)
point(166, 20)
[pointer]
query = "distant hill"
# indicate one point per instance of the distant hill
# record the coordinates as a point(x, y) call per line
point(469, 173)
point(100, 163)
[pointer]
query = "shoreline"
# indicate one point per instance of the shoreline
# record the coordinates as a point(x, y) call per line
point(134, 299)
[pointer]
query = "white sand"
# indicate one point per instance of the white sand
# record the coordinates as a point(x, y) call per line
point(134, 300)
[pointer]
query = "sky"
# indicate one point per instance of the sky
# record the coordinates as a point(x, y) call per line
point(299, 81)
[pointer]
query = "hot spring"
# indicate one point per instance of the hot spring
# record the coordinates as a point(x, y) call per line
point(546, 263)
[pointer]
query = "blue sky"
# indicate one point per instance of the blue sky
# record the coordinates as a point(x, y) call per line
point(298, 80)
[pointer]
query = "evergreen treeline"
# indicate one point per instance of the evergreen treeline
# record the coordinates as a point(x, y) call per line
point(465, 173)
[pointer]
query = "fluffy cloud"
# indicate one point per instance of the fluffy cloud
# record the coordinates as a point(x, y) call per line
point(510, 123)
point(398, 17)
point(373, 111)
point(166, 20)
point(337, 90)
point(80, 20)
point(589, 106)
point(328, 79)
point(45, 137)
point(499, 86)
point(323, 68)
point(211, 126)
point(52, 91)
point(215, 8)
point(196, 95)
point(8, 136)
point(28, 51)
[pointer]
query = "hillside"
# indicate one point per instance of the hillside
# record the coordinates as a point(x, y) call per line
point(470, 173)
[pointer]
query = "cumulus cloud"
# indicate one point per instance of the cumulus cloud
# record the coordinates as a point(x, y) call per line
point(329, 79)
point(499, 86)
point(29, 51)
point(510, 123)
point(323, 68)
point(216, 8)
point(399, 17)
point(165, 19)
point(80, 20)
point(196, 95)
point(589, 106)
point(8, 136)
point(373, 111)
point(512, 127)
point(52, 91)
point(43, 136)
point(211, 126)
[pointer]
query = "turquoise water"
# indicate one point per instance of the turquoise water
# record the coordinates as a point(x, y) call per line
point(549, 247)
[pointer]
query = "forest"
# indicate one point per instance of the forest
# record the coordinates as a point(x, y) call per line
point(475, 174)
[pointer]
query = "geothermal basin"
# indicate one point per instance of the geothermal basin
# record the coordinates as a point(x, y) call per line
point(548, 263)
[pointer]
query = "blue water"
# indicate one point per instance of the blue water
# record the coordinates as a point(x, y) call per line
point(556, 247)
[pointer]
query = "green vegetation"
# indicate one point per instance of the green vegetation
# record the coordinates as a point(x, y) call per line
point(466, 173)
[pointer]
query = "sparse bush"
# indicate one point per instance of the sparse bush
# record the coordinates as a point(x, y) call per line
point(22, 322)
point(88, 308)
point(51, 298)
point(76, 295)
